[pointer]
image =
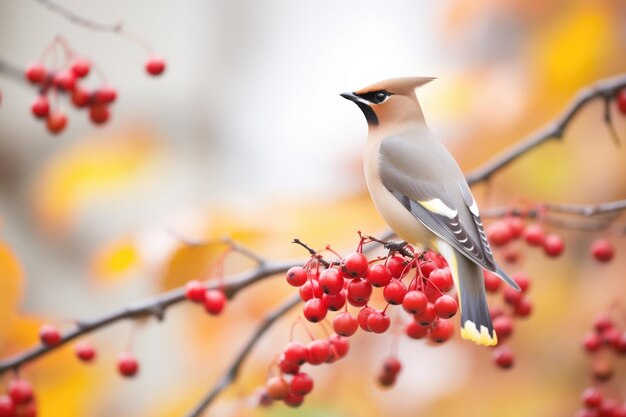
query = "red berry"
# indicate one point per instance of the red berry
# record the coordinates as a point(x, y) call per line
point(512, 296)
point(363, 316)
point(359, 290)
point(586, 412)
point(592, 397)
point(378, 275)
point(426, 317)
point(155, 65)
point(20, 391)
point(287, 367)
point(80, 67)
point(310, 289)
point(7, 406)
point(397, 266)
point(607, 408)
point(602, 250)
point(394, 292)
point(620, 347)
point(621, 100)
point(503, 325)
point(414, 302)
point(415, 331)
point(522, 280)
point(49, 335)
point(318, 352)
point(331, 281)
point(127, 364)
point(492, 281)
point(35, 73)
point(56, 122)
point(499, 233)
point(427, 267)
point(523, 308)
point(295, 352)
point(293, 400)
point(104, 95)
point(516, 226)
point(495, 311)
point(503, 357)
point(446, 306)
point(619, 411)
point(534, 235)
point(610, 337)
point(99, 113)
point(214, 301)
point(378, 322)
point(511, 255)
point(80, 97)
point(85, 351)
point(592, 342)
point(339, 345)
point(553, 245)
point(442, 279)
point(439, 261)
point(335, 302)
point(354, 265)
point(386, 379)
point(65, 80)
point(441, 331)
point(277, 388)
point(296, 276)
point(345, 324)
point(432, 293)
point(40, 107)
point(301, 384)
point(195, 291)
point(392, 365)
point(315, 310)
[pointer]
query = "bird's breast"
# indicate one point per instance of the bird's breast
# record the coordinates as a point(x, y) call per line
point(401, 221)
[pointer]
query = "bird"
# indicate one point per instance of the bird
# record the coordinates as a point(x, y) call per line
point(421, 192)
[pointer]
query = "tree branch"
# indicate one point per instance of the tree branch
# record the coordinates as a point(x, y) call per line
point(155, 306)
point(604, 89)
point(80, 20)
point(233, 370)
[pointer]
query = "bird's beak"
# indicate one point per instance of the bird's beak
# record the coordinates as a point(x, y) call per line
point(349, 96)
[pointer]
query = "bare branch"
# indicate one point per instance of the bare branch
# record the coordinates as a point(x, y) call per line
point(155, 306)
point(233, 370)
point(606, 89)
point(80, 20)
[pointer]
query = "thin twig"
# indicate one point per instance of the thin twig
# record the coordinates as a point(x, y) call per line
point(606, 89)
point(312, 251)
point(233, 370)
point(80, 20)
point(585, 210)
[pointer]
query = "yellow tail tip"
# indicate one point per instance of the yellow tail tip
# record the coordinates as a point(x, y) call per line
point(469, 331)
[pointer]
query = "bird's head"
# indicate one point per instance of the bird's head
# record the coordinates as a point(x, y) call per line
point(390, 102)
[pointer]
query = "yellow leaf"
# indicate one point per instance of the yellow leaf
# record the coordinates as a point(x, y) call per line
point(116, 260)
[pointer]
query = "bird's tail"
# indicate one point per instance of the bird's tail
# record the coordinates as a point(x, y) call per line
point(468, 278)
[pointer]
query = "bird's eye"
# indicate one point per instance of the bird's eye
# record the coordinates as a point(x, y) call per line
point(380, 97)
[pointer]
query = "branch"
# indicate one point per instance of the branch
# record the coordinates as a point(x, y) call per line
point(155, 306)
point(606, 212)
point(233, 370)
point(605, 89)
point(80, 20)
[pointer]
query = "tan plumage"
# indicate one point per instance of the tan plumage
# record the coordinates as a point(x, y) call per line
point(422, 194)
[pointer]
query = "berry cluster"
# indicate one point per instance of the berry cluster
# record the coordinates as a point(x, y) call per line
point(67, 79)
point(352, 280)
point(214, 300)
point(515, 305)
point(604, 343)
point(501, 232)
point(291, 385)
point(19, 401)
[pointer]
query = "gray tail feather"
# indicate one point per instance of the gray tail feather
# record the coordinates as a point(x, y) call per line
point(473, 298)
point(504, 276)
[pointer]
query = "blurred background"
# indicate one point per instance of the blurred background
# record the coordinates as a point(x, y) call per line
point(245, 135)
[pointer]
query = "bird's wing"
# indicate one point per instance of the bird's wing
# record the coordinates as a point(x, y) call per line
point(444, 205)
